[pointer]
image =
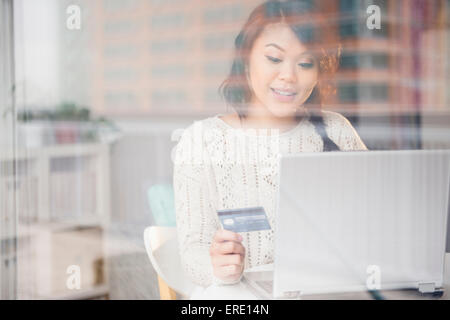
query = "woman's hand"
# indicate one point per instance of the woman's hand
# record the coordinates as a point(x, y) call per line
point(227, 255)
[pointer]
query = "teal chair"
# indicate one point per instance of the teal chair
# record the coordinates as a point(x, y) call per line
point(161, 201)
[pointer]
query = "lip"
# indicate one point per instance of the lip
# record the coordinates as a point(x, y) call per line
point(283, 98)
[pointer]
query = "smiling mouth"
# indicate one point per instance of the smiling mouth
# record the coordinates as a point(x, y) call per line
point(283, 93)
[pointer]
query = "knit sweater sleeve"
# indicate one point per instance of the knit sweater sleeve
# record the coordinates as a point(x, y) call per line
point(195, 213)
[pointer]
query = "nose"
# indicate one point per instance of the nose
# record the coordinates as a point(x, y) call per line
point(288, 73)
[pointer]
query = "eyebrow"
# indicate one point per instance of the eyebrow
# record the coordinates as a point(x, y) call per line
point(276, 46)
point(306, 53)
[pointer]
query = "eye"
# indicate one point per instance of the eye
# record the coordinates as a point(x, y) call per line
point(274, 60)
point(306, 65)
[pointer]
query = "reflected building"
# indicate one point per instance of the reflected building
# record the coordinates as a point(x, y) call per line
point(163, 58)
point(168, 58)
point(403, 67)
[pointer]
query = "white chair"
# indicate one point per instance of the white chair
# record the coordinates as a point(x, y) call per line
point(161, 244)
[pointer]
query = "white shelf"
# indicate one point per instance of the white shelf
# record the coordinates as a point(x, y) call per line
point(53, 190)
point(60, 150)
point(55, 198)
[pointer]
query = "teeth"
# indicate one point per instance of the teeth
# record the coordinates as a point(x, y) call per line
point(283, 93)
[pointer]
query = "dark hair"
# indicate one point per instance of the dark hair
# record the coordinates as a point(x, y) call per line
point(297, 14)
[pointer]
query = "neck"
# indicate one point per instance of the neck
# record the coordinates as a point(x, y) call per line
point(258, 117)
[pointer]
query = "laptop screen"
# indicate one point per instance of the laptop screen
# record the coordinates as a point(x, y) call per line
point(448, 227)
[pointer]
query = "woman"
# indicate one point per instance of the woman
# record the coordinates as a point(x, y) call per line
point(278, 81)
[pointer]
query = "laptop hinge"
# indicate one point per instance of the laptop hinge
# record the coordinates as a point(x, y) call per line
point(290, 295)
point(427, 287)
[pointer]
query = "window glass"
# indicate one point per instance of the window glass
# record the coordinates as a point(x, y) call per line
point(104, 88)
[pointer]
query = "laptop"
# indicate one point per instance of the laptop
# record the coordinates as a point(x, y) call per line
point(357, 221)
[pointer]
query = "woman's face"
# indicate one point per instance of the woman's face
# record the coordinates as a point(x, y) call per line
point(281, 71)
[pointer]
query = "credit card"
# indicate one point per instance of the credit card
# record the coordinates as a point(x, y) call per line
point(244, 219)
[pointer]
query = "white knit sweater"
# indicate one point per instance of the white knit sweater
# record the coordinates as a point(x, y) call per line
point(220, 167)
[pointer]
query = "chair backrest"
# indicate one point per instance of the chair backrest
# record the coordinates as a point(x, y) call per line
point(160, 199)
point(161, 244)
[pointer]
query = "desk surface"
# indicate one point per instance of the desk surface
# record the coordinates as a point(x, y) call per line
point(240, 291)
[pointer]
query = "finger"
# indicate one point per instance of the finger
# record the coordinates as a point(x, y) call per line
point(231, 270)
point(226, 235)
point(229, 259)
point(230, 247)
